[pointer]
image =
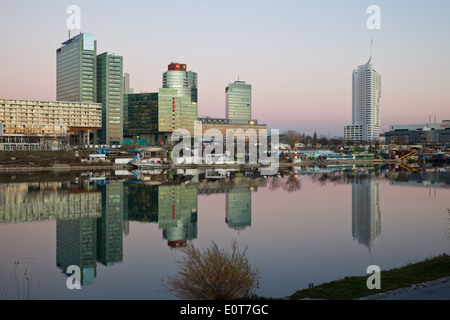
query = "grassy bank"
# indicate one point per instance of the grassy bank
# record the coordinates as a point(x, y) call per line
point(355, 287)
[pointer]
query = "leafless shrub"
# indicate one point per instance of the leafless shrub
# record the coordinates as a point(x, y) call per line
point(213, 274)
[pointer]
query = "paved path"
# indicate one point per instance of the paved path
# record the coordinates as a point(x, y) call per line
point(432, 290)
point(435, 292)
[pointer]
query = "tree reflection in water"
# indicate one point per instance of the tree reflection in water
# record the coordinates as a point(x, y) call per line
point(289, 184)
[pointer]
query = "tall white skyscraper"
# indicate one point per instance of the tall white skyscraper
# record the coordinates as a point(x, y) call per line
point(366, 94)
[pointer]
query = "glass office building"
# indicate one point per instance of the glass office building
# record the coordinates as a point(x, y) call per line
point(238, 102)
point(140, 114)
point(177, 77)
point(110, 95)
point(177, 107)
point(76, 69)
point(154, 116)
point(175, 111)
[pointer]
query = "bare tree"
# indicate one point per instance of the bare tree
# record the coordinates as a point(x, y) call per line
point(213, 274)
point(63, 142)
point(47, 141)
point(289, 184)
point(292, 137)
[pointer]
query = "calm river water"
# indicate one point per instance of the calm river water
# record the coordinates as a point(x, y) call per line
point(303, 226)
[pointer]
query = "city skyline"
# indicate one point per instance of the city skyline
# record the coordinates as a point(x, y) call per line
point(298, 56)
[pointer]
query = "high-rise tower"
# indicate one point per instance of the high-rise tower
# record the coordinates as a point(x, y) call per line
point(178, 77)
point(177, 99)
point(238, 96)
point(76, 69)
point(366, 94)
point(110, 95)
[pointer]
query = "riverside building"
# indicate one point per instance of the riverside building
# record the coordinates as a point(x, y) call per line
point(84, 76)
point(33, 125)
point(238, 97)
point(425, 133)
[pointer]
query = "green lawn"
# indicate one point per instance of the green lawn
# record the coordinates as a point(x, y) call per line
point(355, 287)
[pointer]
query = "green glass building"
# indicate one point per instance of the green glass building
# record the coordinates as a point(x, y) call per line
point(76, 69)
point(110, 95)
point(140, 115)
point(154, 116)
point(238, 97)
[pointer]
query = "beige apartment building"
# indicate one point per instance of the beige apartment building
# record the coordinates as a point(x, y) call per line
point(37, 125)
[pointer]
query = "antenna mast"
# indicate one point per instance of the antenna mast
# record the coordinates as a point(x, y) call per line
point(371, 47)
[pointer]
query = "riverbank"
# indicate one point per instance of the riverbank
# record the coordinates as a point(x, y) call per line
point(428, 272)
point(99, 166)
point(14, 161)
point(70, 166)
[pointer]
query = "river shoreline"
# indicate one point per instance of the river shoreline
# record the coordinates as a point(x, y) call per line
point(171, 166)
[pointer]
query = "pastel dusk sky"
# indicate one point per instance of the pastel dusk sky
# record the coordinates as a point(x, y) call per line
point(297, 55)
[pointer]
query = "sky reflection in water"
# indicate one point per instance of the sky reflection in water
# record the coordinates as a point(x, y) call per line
point(313, 226)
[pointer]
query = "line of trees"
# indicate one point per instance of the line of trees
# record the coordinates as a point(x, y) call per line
point(291, 137)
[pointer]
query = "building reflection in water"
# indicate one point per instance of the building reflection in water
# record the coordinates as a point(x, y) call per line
point(177, 213)
point(40, 201)
point(110, 226)
point(77, 209)
point(173, 207)
point(86, 241)
point(435, 179)
point(76, 245)
point(239, 208)
point(366, 215)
